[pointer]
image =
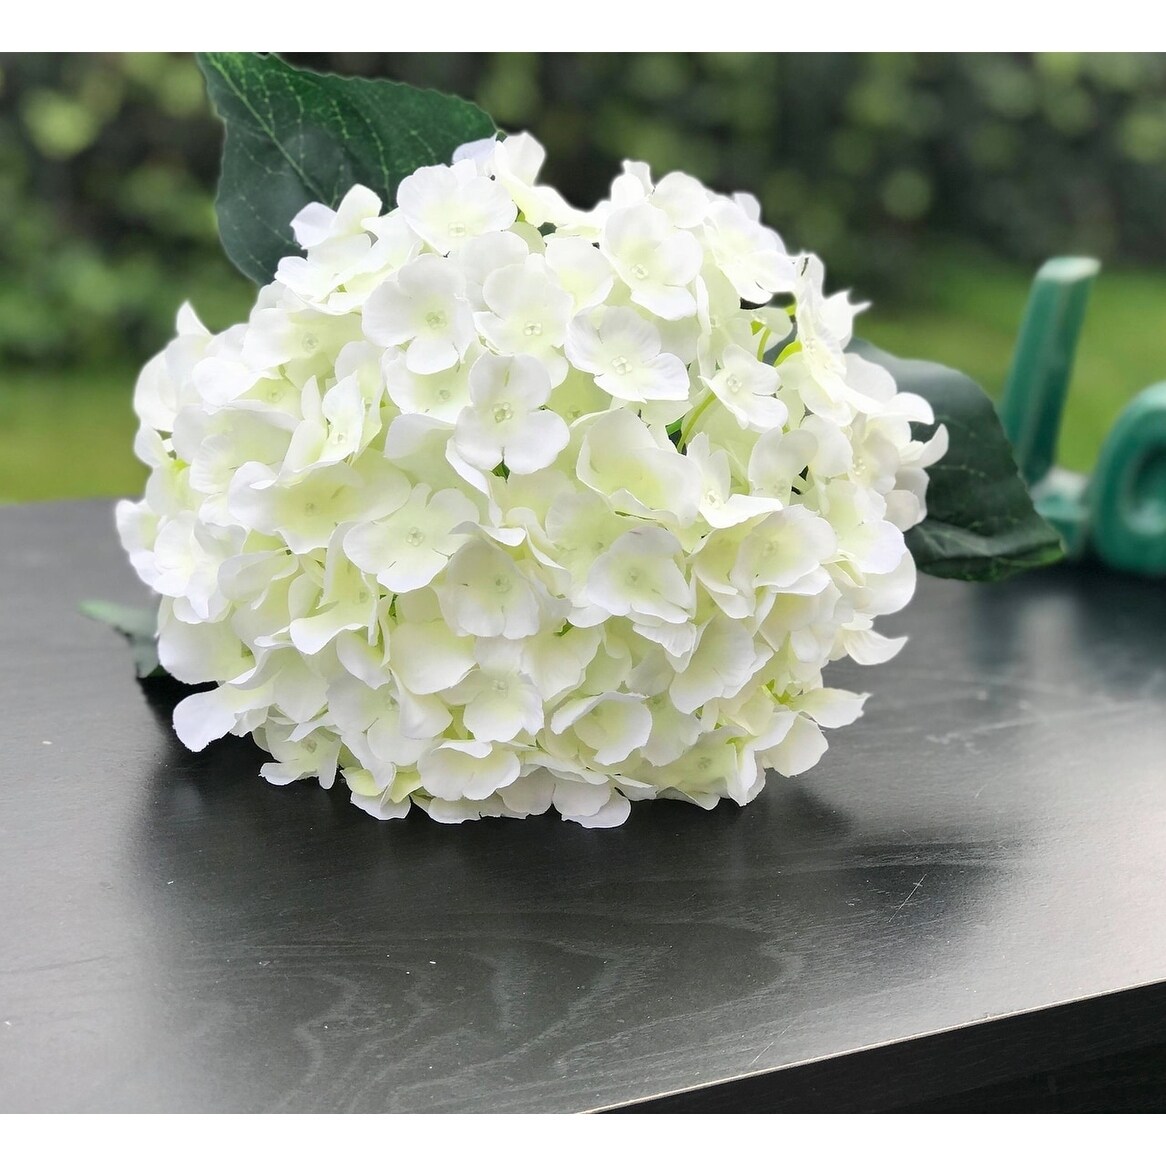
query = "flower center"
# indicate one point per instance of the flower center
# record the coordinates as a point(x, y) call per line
point(501, 584)
point(503, 412)
point(633, 577)
point(456, 230)
point(621, 366)
point(415, 537)
point(311, 342)
point(532, 329)
point(640, 271)
point(501, 687)
point(443, 394)
point(435, 320)
point(733, 383)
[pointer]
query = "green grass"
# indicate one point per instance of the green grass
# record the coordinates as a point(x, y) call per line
point(969, 317)
point(70, 434)
point(67, 435)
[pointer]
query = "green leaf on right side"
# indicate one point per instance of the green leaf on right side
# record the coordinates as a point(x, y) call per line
point(139, 625)
point(981, 524)
point(295, 137)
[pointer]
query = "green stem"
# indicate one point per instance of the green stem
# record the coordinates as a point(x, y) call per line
point(792, 347)
point(693, 418)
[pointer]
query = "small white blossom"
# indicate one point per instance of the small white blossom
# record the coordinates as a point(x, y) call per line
point(440, 394)
point(580, 269)
point(483, 593)
point(640, 575)
point(516, 161)
point(719, 507)
point(612, 725)
point(424, 307)
point(448, 205)
point(750, 255)
point(408, 548)
point(746, 387)
point(638, 469)
point(529, 313)
point(657, 261)
point(501, 702)
point(505, 422)
point(467, 769)
point(623, 350)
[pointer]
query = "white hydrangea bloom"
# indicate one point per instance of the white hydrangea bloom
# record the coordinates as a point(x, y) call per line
point(494, 506)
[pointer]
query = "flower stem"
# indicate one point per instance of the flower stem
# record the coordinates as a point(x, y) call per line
point(693, 417)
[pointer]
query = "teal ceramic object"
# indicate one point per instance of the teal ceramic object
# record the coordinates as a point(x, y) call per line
point(1118, 513)
point(1126, 498)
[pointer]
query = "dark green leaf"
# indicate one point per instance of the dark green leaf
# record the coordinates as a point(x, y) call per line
point(295, 137)
point(139, 625)
point(981, 523)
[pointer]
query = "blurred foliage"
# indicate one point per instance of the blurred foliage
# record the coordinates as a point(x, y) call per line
point(107, 166)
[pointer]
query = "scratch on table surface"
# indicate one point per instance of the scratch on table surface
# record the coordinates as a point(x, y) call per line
point(991, 679)
point(965, 735)
point(769, 1046)
point(60, 966)
point(910, 896)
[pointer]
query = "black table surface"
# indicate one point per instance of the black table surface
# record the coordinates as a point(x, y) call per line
point(969, 886)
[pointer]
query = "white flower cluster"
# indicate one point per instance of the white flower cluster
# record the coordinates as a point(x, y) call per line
point(494, 505)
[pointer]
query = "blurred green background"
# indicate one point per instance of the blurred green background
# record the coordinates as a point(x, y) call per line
point(932, 185)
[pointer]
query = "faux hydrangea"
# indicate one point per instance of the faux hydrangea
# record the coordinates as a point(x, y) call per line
point(494, 505)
